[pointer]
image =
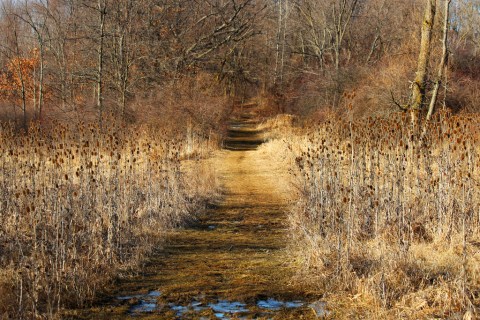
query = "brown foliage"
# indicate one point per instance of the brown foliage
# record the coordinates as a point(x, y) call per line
point(80, 204)
point(386, 220)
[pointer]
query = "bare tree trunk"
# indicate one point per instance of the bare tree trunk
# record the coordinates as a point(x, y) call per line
point(123, 53)
point(341, 18)
point(24, 98)
point(373, 47)
point(21, 77)
point(41, 80)
point(443, 62)
point(418, 86)
point(102, 12)
point(124, 72)
point(284, 36)
point(37, 26)
point(279, 37)
point(39, 103)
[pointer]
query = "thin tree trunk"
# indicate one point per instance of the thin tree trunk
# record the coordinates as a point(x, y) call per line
point(22, 82)
point(37, 95)
point(41, 80)
point(284, 35)
point(418, 86)
point(102, 13)
point(279, 32)
point(373, 47)
point(24, 101)
point(443, 62)
point(341, 18)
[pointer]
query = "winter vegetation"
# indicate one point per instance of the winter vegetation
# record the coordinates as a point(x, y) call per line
point(79, 205)
point(386, 218)
point(110, 109)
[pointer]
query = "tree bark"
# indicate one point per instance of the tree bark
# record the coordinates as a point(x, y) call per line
point(23, 90)
point(443, 62)
point(37, 26)
point(419, 84)
point(341, 18)
point(102, 13)
point(280, 39)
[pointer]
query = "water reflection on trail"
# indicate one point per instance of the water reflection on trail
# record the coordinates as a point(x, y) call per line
point(272, 304)
point(146, 303)
point(222, 309)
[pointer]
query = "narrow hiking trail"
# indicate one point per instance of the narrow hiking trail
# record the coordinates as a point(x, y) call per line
point(232, 263)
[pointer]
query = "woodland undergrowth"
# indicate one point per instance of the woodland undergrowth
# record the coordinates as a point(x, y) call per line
point(386, 221)
point(80, 205)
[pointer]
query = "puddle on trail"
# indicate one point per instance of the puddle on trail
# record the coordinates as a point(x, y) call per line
point(222, 309)
point(147, 302)
point(195, 306)
point(272, 304)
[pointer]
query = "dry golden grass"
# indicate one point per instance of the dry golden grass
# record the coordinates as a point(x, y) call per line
point(78, 205)
point(386, 221)
point(242, 258)
point(278, 126)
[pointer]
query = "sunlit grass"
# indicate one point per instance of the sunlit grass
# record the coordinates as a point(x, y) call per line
point(79, 204)
point(387, 220)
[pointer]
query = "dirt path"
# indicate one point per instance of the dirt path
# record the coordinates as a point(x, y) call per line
point(232, 263)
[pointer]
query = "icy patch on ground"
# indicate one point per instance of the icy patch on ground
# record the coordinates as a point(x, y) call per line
point(222, 309)
point(147, 302)
point(195, 306)
point(272, 304)
point(223, 306)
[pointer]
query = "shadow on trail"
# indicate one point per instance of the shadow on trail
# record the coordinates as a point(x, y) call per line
point(232, 262)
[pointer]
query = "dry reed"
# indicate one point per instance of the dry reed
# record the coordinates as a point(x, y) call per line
point(78, 205)
point(387, 218)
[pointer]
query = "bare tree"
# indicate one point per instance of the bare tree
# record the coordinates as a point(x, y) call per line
point(13, 51)
point(102, 12)
point(419, 84)
point(123, 47)
point(342, 13)
point(37, 22)
point(282, 9)
point(443, 62)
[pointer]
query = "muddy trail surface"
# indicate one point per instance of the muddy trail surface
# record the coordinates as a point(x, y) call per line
point(232, 263)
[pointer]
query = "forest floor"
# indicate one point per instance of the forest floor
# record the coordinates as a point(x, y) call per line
point(232, 263)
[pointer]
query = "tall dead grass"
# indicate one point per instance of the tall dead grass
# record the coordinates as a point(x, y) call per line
point(79, 204)
point(387, 220)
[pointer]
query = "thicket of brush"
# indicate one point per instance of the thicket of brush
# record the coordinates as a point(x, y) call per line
point(387, 220)
point(79, 204)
